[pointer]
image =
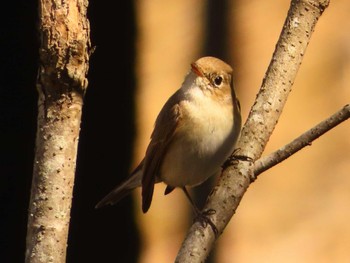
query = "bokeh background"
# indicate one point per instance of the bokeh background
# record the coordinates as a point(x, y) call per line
point(297, 211)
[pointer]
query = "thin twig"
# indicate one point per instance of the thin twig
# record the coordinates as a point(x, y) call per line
point(303, 140)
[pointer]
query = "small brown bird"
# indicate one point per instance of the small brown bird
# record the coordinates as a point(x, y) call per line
point(194, 133)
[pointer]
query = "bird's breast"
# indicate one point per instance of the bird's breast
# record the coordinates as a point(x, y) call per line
point(206, 125)
point(204, 139)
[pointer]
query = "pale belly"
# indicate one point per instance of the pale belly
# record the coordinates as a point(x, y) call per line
point(199, 148)
point(185, 166)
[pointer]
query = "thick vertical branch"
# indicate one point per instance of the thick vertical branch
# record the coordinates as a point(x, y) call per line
point(64, 55)
point(225, 198)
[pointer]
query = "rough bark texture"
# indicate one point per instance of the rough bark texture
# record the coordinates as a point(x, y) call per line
point(225, 198)
point(64, 55)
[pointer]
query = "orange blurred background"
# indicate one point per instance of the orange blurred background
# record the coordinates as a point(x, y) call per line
point(297, 211)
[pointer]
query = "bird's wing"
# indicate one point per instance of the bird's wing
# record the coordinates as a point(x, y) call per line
point(163, 133)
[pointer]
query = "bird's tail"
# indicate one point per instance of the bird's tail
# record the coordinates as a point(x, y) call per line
point(123, 189)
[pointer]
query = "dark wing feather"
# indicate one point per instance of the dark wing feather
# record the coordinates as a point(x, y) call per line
point(164, 130)
point(125, 188)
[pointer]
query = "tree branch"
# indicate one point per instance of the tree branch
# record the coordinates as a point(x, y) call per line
point(303, 140)
point(64, 56)
point(226, 196)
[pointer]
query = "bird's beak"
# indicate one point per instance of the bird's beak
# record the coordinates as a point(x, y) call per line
point(196, 70)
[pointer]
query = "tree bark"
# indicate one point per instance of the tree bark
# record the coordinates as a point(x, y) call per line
point(226, 196)
point(303, 140)
point(61, 84)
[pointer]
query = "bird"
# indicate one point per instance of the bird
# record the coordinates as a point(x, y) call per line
point(193, 135)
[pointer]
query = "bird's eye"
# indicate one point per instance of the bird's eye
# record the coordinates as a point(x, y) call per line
point(218, 81)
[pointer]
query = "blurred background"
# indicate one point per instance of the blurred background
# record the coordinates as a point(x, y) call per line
point(297, 211)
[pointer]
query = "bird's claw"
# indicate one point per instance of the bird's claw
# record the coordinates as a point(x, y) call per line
point(234, 158)
point(204, 220)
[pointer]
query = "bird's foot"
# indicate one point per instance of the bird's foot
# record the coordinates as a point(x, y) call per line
point(234, 158)
point(204, 220)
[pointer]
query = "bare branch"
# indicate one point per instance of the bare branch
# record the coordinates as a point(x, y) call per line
point(64, 56)
point(303, 140)
point(226, 196)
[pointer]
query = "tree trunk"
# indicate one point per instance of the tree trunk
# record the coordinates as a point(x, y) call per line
point(64, 55)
